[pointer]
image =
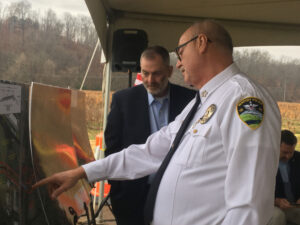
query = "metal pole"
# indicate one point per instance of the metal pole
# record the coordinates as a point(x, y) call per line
point(90, 63)
point(129, 77)
point(284, 88)
point(106, 96)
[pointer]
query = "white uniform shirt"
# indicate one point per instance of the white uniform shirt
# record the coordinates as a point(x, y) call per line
point(223, 172)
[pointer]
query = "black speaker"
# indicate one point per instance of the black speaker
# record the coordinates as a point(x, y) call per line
point(128, 44)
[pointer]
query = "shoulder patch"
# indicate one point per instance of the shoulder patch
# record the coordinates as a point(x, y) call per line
point(251, 111)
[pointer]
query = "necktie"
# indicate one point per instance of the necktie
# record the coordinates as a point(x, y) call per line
point(150, 202)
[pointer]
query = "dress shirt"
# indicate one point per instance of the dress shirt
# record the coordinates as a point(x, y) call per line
point(284, 172)
point(223, 172)
point(158, 115)
point(158, 112)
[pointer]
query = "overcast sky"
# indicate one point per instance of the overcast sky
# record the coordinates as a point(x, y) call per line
point(79, 7)
point(59, 6)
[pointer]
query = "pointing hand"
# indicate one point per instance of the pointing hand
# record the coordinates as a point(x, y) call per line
point(61, 182)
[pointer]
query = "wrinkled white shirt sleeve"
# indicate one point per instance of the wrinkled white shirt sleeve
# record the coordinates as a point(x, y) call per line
point(252, 159)
point(135, 161)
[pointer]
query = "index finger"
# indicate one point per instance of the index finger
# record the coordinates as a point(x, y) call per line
point(42, 182)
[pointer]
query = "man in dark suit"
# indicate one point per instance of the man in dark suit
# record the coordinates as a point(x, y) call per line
point(287, 191)
point(135, 114)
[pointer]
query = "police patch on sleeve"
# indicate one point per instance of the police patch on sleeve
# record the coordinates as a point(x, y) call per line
point(251, 112)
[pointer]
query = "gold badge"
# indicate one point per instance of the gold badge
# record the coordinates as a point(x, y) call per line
point(208, 114)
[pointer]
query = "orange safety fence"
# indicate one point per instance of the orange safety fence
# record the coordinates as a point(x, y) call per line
point(99, 140)
point(96, 190)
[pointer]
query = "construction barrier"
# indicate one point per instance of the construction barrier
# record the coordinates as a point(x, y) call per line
point(96, 190)
point(138, 79)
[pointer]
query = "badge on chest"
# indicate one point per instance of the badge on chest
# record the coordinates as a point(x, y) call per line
point(210, 111)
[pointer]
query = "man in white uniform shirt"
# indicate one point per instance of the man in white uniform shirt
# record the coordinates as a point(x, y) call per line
point(223, 171)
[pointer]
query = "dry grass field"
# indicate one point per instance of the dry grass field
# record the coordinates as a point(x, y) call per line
point(290, 113)
point(94, 114)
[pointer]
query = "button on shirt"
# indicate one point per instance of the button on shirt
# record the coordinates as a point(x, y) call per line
point(223, 172)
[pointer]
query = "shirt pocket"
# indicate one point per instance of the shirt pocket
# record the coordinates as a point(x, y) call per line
point(199, 139)
point(180, 157)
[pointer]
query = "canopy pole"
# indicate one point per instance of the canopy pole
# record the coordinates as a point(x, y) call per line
point(106, 97)
point(90, 63)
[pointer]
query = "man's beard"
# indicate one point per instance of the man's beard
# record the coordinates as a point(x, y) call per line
point(158, 89)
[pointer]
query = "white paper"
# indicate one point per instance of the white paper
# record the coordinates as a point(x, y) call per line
point(10, 98)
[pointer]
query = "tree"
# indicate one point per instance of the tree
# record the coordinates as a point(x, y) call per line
point(281, 78)
point(51, 24)
point(21, 10)
point(1, 14)
point(87, 32)
point(44, 48)
point(70, 26)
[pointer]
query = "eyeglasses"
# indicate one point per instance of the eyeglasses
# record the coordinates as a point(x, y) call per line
point(184, 44)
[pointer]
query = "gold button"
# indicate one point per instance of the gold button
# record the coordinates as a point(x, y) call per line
point(195, 131)
point(204, 93)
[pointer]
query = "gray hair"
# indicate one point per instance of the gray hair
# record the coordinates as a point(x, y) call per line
point(150, 52)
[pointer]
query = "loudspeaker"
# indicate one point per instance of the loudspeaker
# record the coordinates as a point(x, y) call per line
point(128, 44)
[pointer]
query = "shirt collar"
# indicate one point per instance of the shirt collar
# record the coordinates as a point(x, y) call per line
point(151, 99)
point(282, 163)
point(218, 80)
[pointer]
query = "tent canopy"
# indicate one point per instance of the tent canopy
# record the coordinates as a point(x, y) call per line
point(251, 23)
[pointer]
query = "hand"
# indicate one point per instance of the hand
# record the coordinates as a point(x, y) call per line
point(283, 203)
point(61, 182)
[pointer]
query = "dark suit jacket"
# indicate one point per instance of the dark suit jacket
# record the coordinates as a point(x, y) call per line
point(294, 176)
point(128, 123)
